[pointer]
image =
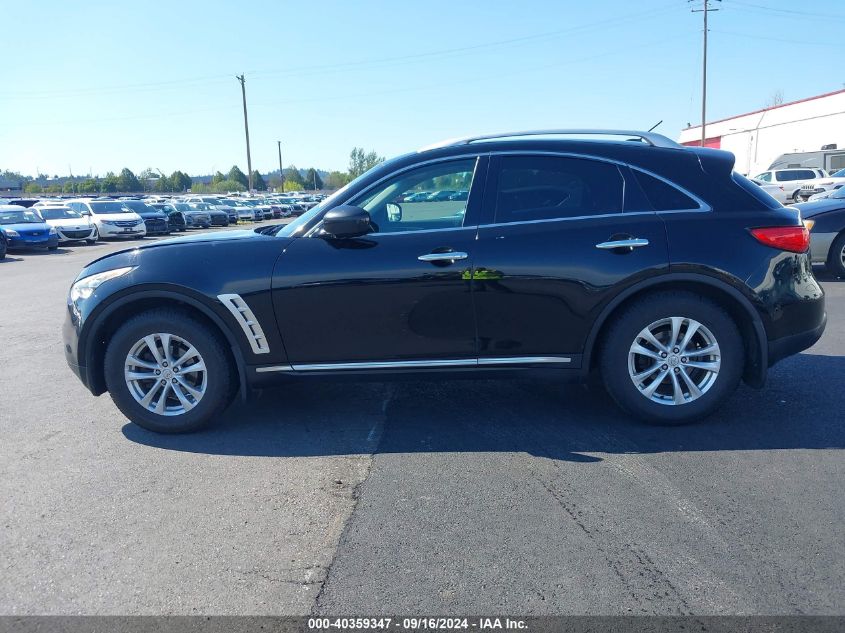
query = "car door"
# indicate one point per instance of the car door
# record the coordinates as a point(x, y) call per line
point(560, 236)
point(398, 296)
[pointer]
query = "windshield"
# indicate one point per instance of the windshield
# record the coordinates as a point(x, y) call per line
point(183, 207)
point(19, 217)
point(138, 206)
point(100, 208)
point(211, 200)
point(839, 194)
point(838, 174)
point(58, 213)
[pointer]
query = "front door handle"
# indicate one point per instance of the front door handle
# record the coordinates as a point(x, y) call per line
point(450, 256)
point(634, 242)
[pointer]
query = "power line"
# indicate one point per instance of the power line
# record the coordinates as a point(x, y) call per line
point(787, 12)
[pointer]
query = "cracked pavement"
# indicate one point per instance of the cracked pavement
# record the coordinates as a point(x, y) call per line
point(466, 497)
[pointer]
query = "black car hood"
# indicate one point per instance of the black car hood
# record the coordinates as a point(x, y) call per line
point(130, 256)
point(809, 209)
point(150, 215)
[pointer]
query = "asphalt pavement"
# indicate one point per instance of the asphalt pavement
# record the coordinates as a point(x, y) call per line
point(415, 498)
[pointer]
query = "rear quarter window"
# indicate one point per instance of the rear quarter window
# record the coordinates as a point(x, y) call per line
point(756, 192)
point(663, 196)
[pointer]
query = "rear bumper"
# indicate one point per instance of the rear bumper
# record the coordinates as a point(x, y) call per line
point(794, 343)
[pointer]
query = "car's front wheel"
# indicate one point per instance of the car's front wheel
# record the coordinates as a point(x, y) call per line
point(168, 372)
point(672, 357)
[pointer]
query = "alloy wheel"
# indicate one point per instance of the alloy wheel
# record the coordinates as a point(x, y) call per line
point(165, 374)
point(674, 361)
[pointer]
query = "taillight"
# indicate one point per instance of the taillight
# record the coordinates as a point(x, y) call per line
point(795, 239)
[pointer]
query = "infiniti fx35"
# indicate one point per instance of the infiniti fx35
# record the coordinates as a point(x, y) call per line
point(622, 254)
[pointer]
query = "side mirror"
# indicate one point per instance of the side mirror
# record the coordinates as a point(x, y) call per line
point(347, 221)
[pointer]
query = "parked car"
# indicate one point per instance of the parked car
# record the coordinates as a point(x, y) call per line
point(23, 228)
point(775, 191)
point(824, 194)
point(825, 220)
point(791, 180)
point(175, 218)
point(70, 225)
point(111, 217)
point(3, 246)
point(213, 204)
point(194, 218)
point(652, 263)
point(244, 211)
point(154, 219)
point(217, 216)
point(822, 185)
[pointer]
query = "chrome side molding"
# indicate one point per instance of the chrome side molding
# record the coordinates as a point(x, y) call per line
point(419, 364)
point(248, 321)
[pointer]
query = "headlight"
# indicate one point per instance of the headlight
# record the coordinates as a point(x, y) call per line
point(86, 286)
point(109, 222)
point(809, 224)
point(53, 230)
point(11, 232)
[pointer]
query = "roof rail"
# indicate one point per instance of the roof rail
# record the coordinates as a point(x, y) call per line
point(649, 138)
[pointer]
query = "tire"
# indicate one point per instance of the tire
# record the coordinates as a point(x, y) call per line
point(52, 248)
point(216, 385)
point(836, 256)
point(796, 197)
point(619, 362)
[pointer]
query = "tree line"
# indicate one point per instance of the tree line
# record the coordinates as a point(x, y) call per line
point(293, 179)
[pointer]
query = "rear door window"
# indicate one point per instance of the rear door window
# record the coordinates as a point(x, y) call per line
point(549, 187)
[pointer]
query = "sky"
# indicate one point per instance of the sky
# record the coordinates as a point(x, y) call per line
point(93, 86)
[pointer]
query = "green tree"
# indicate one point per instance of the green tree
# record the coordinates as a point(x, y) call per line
point(225, 186)
point(361, 161)
point(110, 183)
point(292, 175)
point(217, 177)
point(54, 188)
point(237, 175)
point(163, 184)
point(313, 180)
point(128, 182)
point(293, 185)
point(258, 182)
point(90, 185)
point(336, 180)
point(69, 186)
point(180, 181)
point(32, 187)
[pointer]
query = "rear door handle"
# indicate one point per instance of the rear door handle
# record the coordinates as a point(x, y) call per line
point(634, 242)
point(450, 256)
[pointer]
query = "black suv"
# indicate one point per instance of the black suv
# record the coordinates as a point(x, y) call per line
point(651, 263)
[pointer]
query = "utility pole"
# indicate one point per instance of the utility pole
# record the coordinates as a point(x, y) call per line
point(704, 10)
point(315, 181)
point(281, 173)
point(241, 79)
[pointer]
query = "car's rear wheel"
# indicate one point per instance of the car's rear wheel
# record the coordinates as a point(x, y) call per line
point(168, 372)
point(796, 197)
point(93, 239)
point(836, 256)
point(672, 357)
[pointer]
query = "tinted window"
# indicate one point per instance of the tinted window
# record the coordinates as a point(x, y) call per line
point(765, 176)
point(549, 187)
point(394, 206)
point(758, 193)
point(795, 174)
point(663, 196)
point(58, 213)
point(108, 207)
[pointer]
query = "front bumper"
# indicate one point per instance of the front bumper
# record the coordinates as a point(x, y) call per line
point(32, 241)
point(139, 230)
point(69, 235)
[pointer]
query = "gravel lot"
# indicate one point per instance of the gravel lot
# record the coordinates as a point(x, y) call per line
point(414, 498)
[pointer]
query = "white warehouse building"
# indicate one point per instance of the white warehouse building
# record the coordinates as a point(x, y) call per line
point(759, 138)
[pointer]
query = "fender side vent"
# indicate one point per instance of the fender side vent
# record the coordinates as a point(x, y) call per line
point(248, 322)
